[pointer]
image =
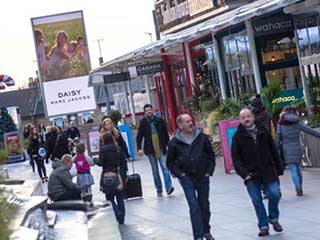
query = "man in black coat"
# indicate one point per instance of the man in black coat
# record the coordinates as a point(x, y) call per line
point(154, 132)
point(191, 159)
point(73, 132)
point(256, 160)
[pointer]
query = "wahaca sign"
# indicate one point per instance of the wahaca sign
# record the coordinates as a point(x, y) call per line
point(273, 25)
point(285, 98)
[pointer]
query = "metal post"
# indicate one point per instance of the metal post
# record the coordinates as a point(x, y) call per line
point(306, 89)
point(106, 92)
point(189, 62)
point(147, 86)
point(254, 56)
point(220, 68)
point(132, 103)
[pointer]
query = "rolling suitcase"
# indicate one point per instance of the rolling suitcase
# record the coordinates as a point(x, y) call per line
point(133, 187)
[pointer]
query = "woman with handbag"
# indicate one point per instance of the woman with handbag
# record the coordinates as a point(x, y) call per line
point(35, 143)
point(288, 143)
point(113, 162)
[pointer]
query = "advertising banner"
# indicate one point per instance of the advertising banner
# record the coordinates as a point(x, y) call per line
point(227, 129)
point(94, 142)
point(13, 146)
point(64, 63)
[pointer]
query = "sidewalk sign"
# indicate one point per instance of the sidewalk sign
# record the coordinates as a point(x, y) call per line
point(227, 129)
point(13, 147)
point(94, 140)
point(126, 134)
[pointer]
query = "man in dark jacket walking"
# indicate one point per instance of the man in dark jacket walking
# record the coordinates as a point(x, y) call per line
point(155, 134)
point(191, 159)
point(256, 160)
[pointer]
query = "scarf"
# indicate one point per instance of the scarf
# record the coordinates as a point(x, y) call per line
point(154, 137)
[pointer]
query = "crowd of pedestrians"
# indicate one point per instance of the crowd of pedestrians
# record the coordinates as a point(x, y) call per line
point(261, 149)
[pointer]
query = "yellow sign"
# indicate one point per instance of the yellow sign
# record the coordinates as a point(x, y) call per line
point(284, 99)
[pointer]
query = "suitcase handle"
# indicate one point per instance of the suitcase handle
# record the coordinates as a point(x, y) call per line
point(132, 160)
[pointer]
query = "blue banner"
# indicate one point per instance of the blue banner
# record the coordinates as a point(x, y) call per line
point(127, 136)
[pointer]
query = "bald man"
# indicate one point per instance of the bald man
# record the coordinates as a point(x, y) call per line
point(256, 160)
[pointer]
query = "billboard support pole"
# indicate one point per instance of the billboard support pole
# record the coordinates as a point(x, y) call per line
point(132, 103)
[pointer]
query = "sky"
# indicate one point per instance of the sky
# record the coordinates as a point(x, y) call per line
point(121, 23)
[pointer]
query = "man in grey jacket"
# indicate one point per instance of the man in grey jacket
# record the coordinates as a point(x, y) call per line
point(60, 185)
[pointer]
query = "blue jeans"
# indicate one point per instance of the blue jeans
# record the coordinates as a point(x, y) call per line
point(273, 191)
point(296, 174)
point(118, 207)
point(197, 195)
point(165, 171)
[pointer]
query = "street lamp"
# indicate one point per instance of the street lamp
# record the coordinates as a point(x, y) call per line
point(100, 53)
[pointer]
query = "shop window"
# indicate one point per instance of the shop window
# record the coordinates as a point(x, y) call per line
point(172, 3)
point(303, 42)
point(278, 48)
point(164, 6)
point(239, 74)
point(314, 39)
point(289, 78)
point(308, 34)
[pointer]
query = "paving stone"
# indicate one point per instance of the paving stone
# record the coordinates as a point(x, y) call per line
point(233, 216)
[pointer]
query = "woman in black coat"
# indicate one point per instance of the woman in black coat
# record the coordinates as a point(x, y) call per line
point(112, 159)
point(35, 143)
point(61, 146)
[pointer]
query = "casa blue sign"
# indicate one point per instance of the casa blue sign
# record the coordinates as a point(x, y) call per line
point(287, 97)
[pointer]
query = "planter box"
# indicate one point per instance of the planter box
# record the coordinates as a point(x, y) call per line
point(312, 144)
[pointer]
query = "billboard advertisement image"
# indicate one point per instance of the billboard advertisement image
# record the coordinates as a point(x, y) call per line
point(63, 62)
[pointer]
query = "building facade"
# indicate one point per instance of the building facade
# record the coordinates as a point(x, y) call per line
point(238, 49)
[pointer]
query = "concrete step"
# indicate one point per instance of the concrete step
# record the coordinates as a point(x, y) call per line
point(51, 218)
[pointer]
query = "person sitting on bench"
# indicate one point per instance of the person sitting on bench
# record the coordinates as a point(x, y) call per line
point(60, 185)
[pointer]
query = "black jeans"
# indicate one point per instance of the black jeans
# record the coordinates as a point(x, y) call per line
point(74, 194)
point(41, 167)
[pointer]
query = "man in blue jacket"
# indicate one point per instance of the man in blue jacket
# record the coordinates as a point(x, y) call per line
point(191, 159)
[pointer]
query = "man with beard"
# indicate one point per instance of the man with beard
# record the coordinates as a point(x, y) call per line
point(256, 160)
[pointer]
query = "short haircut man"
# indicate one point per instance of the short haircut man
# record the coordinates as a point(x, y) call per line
point(192, 160)
point(60, 185)
point(154, 133)
point(256, 160)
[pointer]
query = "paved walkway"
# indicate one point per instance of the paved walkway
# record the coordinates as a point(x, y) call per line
point(233, 216)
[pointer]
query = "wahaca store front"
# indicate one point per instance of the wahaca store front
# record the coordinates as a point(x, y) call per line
point(277, 50)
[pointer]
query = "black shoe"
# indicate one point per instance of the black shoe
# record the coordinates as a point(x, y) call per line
point(208, 236)
point(159, 194)
point(276, 226)
point(263, 232)
point(171, 190)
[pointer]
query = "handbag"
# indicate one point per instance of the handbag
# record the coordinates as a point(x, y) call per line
point(111, 183)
